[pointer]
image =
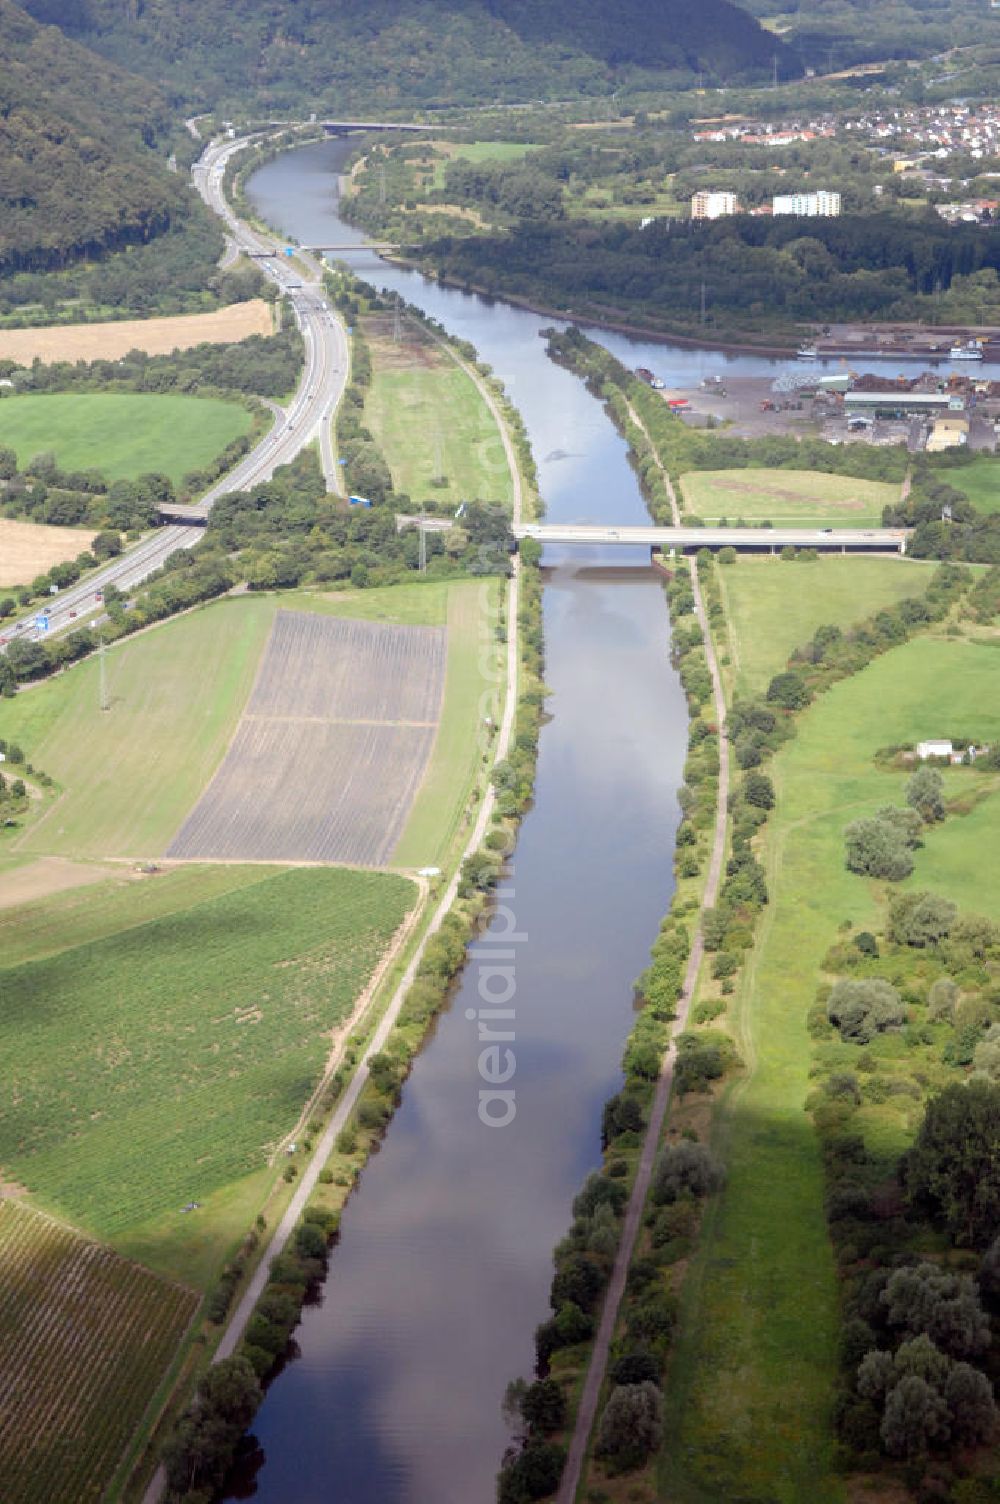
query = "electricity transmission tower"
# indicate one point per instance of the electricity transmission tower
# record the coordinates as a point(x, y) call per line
point(102, 676)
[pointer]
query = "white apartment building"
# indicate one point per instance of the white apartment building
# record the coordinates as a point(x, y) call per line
point(811, 205)
point(705, 205)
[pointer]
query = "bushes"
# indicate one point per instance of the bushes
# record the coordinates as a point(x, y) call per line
point(631, 1427)
point(199, 1454)
point(860, 1010)
point(881, 845)
point(953, 1169)
point(686, 1169)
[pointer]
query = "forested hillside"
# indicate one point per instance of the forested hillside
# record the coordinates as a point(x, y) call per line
point(80, 173)
point(383, 54)
point(834, 33)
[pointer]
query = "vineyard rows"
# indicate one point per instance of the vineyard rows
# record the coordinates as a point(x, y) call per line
point(332, 748)
point(86, 1338)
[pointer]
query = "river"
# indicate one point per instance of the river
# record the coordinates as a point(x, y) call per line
point(443, 1265)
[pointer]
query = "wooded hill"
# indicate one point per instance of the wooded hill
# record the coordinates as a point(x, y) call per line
point(80, 169)
point(383, 54)
point(837, 33)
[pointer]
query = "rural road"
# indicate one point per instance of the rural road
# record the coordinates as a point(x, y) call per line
point(587, 1411)
point(308, 415)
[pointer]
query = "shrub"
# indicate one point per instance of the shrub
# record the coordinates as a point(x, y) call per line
point(686, 1168)
point(925, 793)
point(862, 1009)
point(921, 919)
point(631, 1426)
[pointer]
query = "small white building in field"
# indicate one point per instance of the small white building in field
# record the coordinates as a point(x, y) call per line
point(934, 749)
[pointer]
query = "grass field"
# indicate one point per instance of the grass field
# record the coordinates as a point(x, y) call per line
point(121, 434)
point(88, 1338)
point(752, 1380)
point(437, 814)
point(774, 606)
point(112, 340)
point(792, 496)
point(130, 774)
point(478, 151)
point(980, 482)
point(430, 420)
point(31, 548)
point(159, 1062)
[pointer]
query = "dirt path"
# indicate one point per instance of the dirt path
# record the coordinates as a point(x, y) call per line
point(587, 1412)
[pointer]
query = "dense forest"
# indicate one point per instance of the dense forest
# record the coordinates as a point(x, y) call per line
point(758, 275)
point(82, 152)
point(836, 33)
point(398, 53)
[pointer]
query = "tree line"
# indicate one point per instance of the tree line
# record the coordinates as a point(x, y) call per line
point(758, 274)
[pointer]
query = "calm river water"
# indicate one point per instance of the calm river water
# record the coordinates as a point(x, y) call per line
point(443, 1266)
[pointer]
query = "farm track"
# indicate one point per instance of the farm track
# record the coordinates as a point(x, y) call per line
point(88, 1336)
point(332, 747)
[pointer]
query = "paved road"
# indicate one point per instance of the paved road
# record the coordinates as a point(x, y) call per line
point(308, 416)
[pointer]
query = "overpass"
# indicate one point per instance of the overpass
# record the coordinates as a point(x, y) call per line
point(344, 127)
point(351, 245)
point(744, 539)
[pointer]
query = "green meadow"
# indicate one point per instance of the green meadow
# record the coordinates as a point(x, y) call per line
point(122, 435)
point(752, 1379)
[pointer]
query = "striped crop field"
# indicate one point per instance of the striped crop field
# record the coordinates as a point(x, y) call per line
point(332, 747)
point(86, 1338)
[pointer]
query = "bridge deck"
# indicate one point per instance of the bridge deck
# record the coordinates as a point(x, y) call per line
point(747, 539)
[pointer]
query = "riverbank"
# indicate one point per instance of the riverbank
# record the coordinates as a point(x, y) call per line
point(743, 346)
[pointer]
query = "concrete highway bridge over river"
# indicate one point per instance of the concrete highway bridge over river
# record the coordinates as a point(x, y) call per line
point(744, 539)
point(668, 540)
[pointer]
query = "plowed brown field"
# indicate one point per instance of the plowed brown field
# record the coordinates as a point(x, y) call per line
point(332, 747)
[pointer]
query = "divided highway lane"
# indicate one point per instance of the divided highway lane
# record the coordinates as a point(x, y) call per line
point(308, 416)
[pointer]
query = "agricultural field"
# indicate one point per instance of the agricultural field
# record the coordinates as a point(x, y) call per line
point(128, 777)
point(158, 1061)
point(112, 340)
point(130, 774)
point(774, 606)
point(792, 497)
point(123, 435)
point(28, 549)
point(753, 1373)
point(980, 482)
point(88, 1338)
point(414, 383)
point(331, 749)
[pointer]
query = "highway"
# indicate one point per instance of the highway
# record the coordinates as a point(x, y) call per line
point(752, 539)
point(307, 417)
